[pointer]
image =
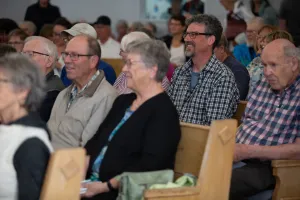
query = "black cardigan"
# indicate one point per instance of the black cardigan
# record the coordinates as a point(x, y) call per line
point(147, 141)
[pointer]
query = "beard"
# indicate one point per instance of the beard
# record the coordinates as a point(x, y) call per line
point(189, 49)
point(250, 43)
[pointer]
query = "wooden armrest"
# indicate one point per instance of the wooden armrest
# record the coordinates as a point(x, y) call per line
point(172, 192)
point(287, 174)
point(285, 163)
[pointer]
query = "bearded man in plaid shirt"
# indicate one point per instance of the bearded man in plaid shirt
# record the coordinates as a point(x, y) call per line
point(203, 89)
point(271, 123)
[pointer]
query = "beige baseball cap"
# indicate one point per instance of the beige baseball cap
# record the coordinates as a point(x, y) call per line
point(82, 28)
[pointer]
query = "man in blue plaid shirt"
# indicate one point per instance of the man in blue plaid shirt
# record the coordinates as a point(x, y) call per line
point(271, 123)
point(203, 89)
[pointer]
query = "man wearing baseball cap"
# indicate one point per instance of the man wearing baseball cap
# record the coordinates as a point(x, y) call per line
point(86, 29)
point(110, 47)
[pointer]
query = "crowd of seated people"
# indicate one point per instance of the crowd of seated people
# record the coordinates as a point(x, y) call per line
point(56, 92)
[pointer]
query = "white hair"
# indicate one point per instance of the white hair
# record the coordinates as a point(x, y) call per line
point(293, 52)
point(133, 36)
point(30, 26)
point(47, 45)
point(256, 20)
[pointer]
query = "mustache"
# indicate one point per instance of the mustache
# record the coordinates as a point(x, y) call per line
point(190, 43)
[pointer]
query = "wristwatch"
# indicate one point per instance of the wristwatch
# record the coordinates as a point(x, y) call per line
point(110, 187)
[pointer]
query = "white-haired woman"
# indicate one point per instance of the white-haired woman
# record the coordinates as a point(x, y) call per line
point(141, 131)
point(24, 139)
point(121, 83)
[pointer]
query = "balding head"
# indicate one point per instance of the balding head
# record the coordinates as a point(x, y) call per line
point(81, 57)
point(281, 63)
point(279, 45)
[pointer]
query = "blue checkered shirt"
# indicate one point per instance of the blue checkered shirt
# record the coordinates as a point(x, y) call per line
point(271, 118)
point(214, 97)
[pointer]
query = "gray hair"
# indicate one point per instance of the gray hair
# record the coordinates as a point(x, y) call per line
point(257, 20)
point(48, 46)
point(212, 25)
point(153, 53)
point(122, 22)
point(24, 75)
point(93, 46)
point(135, 26)
point(30, 25)
point(292, 52)
point(130, 37)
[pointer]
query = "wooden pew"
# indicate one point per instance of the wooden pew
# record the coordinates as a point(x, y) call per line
point(207, 152)
point(116, 63)
point(286, 172)
point(65, 172)
point(240, 112)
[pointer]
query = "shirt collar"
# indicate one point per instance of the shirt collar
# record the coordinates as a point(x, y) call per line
point(49, 75)
point(211, 65)
point(107, 41)
point(90, 89)
point(292, 87)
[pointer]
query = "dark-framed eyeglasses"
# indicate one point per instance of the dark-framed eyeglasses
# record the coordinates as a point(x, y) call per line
point(15, 43)
point(74, 56)
point(193, 35)
point(56, 34)
point(129, 63)
point(33, 53)
point(66, 38)
point(4, 80)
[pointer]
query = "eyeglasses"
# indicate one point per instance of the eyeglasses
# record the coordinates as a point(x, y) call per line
point(122, 53)
point(4, 81)
point(55, 34)
point(74, 56)
point(66, 39)
point(175, 24)
point(261, 46)
point(129, 63)
point(193, 35)
point(251, 32)
point(15, 43)
point(33, 53)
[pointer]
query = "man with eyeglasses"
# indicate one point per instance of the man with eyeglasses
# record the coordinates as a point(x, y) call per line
point(203, 89)
point(86, 29)
point(43, 52)
point(16, 39)
point(80, 109)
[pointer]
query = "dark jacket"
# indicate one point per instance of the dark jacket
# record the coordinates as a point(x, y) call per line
point(40, 16)
point(168, 40)
point(241, 75)
point(54, 86)
point(147, 141)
